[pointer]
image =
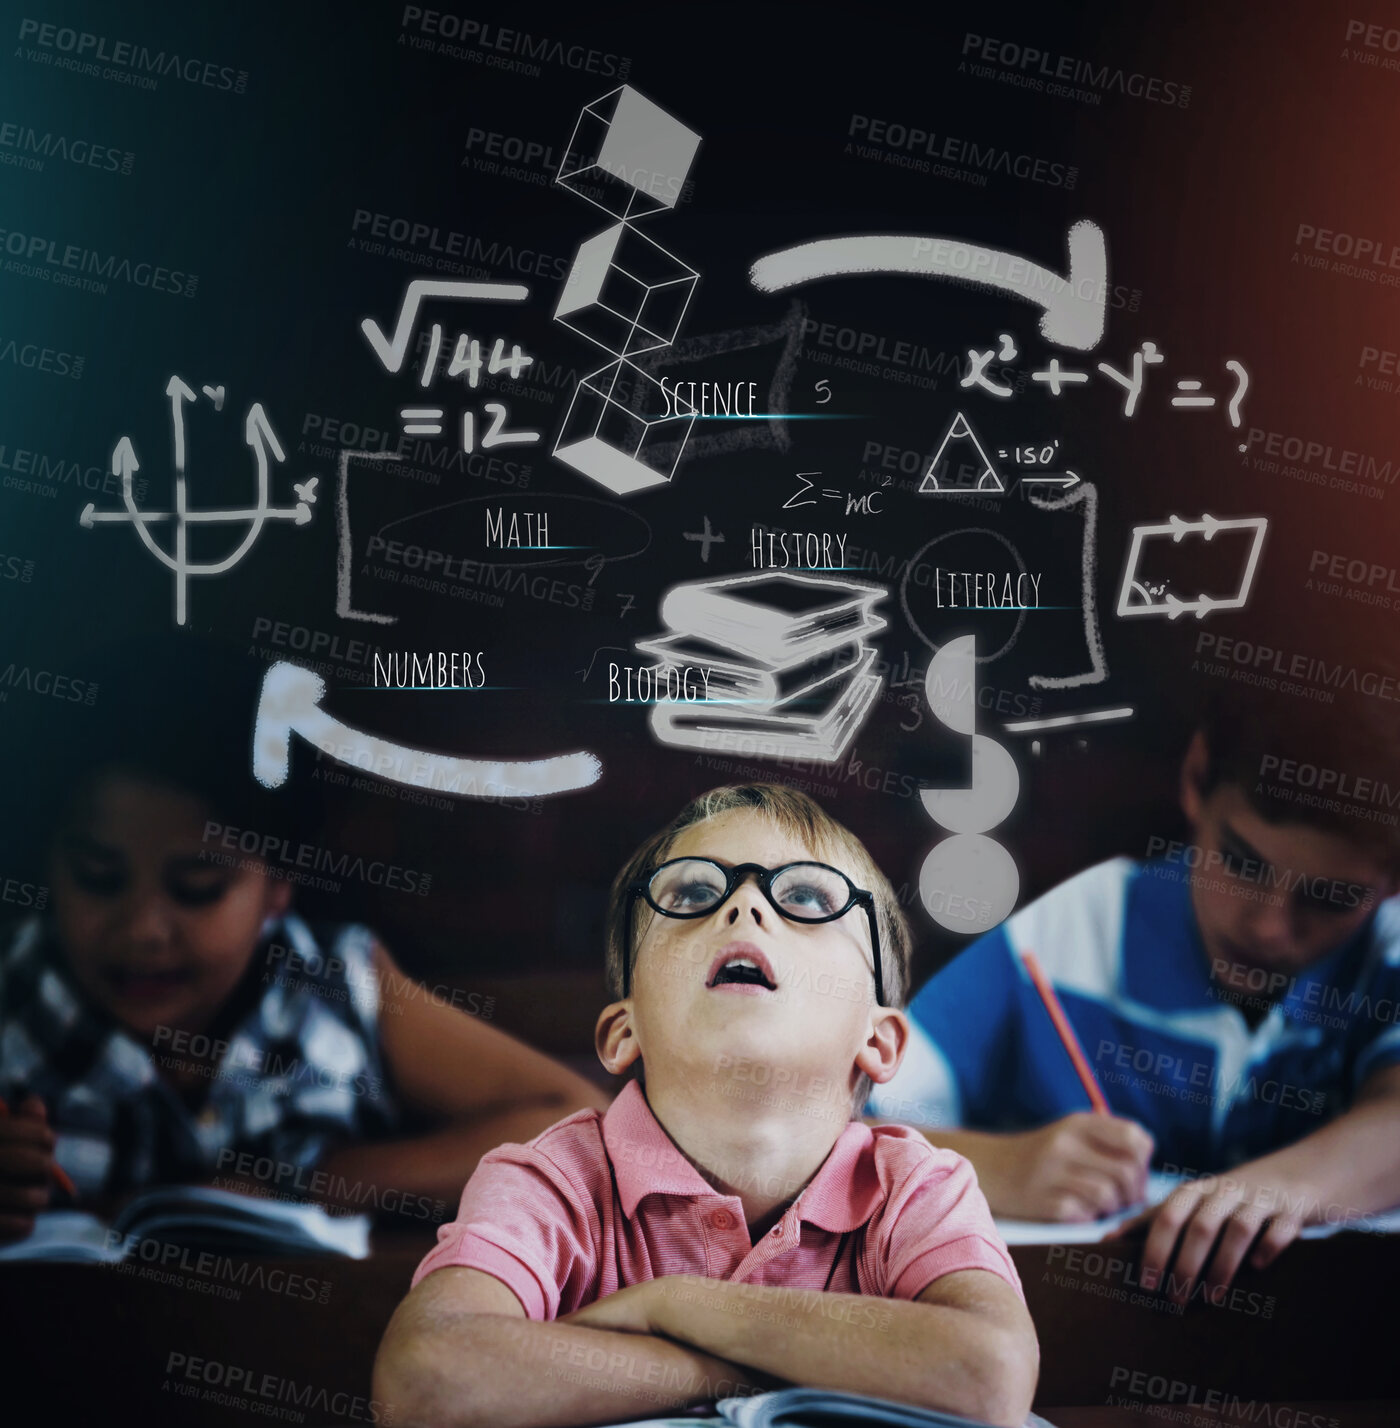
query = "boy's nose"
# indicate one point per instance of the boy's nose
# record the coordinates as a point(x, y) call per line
point(145, 921)
point(1271, 924)
point(748, 896)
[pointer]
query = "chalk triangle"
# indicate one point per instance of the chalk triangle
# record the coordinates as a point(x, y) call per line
point(961, 437)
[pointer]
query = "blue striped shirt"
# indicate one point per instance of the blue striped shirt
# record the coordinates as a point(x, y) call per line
point(1169, 1047)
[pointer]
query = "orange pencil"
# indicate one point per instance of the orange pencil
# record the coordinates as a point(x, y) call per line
point(57, 1173)
point(1065, 1031)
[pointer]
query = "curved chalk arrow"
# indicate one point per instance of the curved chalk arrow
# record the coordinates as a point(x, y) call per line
point(290, 702)
point(1073, 305)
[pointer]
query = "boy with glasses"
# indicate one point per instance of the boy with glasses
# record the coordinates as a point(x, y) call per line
point(726, 1226)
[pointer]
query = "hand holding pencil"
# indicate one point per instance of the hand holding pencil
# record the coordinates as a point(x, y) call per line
point(28, 1170)
point(1080, 1167)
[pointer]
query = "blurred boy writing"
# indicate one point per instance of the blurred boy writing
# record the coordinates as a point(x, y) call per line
point(1237, 1001)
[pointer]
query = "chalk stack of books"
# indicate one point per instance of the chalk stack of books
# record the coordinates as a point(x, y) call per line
point(788, 660)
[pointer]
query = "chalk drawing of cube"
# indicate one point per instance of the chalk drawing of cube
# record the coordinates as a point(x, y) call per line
point(625, 293)
point(628, 156)
point(618, 416)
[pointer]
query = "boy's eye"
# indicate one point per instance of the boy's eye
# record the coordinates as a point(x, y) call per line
point(99, 879)
point(194, 893)
point(809, 897)
point(1232, 863)
point(687, 897)
point(811, 891)
point(1328, 905)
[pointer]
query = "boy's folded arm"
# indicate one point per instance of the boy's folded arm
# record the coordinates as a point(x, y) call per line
point(460, 1352)
point(966, 1345)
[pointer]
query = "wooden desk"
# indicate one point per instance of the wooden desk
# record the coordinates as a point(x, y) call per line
point(1321, 1323)
point(88, 1340)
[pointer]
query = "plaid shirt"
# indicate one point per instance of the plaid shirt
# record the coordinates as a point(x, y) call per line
point(301, 1073)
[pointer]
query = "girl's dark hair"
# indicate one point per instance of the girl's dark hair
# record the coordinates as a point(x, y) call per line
point(177, 709)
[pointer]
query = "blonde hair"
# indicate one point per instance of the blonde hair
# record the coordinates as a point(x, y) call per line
point(795, 814)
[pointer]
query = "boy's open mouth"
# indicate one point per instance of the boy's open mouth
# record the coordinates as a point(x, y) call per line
point(742, 965)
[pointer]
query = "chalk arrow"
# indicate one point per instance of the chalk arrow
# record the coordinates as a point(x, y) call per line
point(124, 458)
point(1179, 527)
point(391, 350)
point(179, 393)
point(290, 703)
point(258, 433)
point(1209, 525)
point(1175, 607)
point(1070, 478)
point(1072, 306)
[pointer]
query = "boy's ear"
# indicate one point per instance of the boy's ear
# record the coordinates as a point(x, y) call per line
point(1194, 767)
point(615, 1038)
point(879, 1058)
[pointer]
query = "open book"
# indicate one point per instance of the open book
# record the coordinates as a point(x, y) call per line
point(819, 1408)
point(199, 1218)
point(1159, 1186)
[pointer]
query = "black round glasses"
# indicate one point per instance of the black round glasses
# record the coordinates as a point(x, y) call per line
point(800, 892)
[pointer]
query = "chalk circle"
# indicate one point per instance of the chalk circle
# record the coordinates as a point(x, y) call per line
point(989, 798)
point(915, 561)
point(969, 883)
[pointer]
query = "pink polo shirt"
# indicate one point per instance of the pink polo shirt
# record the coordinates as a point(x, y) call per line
point(601, 1201)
